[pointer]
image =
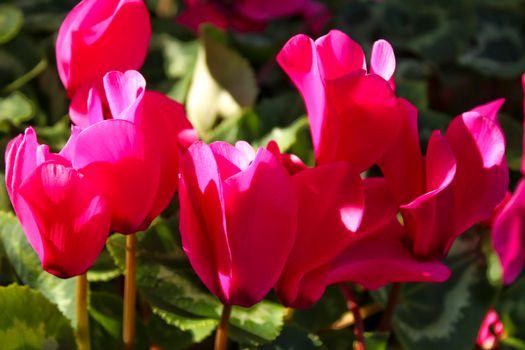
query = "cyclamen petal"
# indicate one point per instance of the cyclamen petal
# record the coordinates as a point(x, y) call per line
point(72, 239)
point(96, 38)
point(331, 205)
point(227, 199)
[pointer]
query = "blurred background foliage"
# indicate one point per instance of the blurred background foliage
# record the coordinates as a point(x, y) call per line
point(451, 56)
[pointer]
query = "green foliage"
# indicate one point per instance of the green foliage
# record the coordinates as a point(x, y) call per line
point(29, 321)
point(11, 19)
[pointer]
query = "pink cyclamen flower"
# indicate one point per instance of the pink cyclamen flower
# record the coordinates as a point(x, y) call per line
point(237, 219)
point(151, 182)
point(349, 110)
point(63, 214)
point(458, 184)
point(491, 331)
point(99, 36)
point(251, 15)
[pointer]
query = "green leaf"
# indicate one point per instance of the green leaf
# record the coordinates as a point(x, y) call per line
point(294, 338)
point(11, 19)
point(446, 315)
point(27, 266)
point(223, 82)
point(167, 282)
point(31, 322)
point(511, 309)
point(15, 109)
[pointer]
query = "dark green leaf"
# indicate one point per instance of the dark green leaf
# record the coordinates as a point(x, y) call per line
point(29, 321)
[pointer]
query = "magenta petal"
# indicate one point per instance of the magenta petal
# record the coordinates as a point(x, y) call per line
point(96, 37)
point(491, 109)
point(508, 235)
point(259, 246)
point(383, 61)
point(20, 160)
point(72, 218)
point(124, 93)
point(482, 177)
point(428, 219)
point(339, 55)
point(331, 205)
point(202, 220)
point(403, 165)
point(112, 154)
point(381, 257)
point(366, 115)
point(299, 60)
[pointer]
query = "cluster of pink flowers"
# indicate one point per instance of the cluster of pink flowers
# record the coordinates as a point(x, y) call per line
point(253, 220)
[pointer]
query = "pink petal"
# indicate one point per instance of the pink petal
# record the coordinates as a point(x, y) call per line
point(112, 153)
point(72, 218)
point(339, 55)
point(508, 235)
point(331, 205)
point(429, 218)
point(383, 61)
point(168, 133)
point(124, 93)
point(402, 164)
point(491, 109)
point(96, 38)
point(202, 220)
point(381, 257)
point(366, 116)
point(298, 58)
point(259, 246)
point(20, 160)
point(482, 177)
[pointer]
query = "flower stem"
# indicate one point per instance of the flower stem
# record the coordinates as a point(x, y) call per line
point(393, 298)
point(82, 313)
point(221, 337)
point(359, 328)
point(130, 293)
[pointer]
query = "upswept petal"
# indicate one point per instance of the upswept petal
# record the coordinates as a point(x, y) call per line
point(202, 220)
point(261, 212)
point(298, 58)
point(428, 219)
point(366, 115)
point(124, 93)
point(112, 154)
point(490, 109)
point(482, 176)
point(403, 164)
point(96, 38)
point(73, 239)
point(383, 61)
point(20, 160)
point(339, 55)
